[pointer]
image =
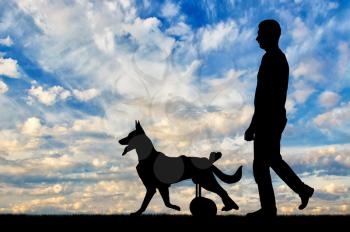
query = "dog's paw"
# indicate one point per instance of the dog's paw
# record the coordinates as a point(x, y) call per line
point(137, 213)
point(232, 205)
point(174, 207)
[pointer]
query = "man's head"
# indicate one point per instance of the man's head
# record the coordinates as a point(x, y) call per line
point(268, 34)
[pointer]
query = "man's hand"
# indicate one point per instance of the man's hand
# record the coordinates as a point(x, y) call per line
point(249, 134)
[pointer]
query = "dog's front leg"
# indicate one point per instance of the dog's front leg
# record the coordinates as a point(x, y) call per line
point(164, 192)
point(149, 194)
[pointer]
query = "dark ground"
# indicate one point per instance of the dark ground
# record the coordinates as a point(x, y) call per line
point(172, 223)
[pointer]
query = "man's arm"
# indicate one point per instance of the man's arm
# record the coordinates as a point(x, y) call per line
point(249, 134)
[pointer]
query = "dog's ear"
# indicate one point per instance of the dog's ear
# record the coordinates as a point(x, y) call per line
point(139, 127)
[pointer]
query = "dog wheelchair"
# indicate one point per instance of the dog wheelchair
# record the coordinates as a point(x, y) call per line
point(202, 206)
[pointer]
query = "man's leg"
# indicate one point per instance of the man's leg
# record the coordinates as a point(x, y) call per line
point(285, 172)
point(263, 179)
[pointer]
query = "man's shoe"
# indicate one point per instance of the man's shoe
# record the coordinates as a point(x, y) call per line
point(263, 213)
point(305, 196)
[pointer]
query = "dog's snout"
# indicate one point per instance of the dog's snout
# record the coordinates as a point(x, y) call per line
point(123, 141)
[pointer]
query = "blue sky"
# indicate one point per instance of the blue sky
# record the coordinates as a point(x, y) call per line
point(75, 75)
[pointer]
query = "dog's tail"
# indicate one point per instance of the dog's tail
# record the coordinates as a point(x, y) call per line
point(229, 179)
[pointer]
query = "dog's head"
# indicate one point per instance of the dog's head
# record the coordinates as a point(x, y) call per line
point(138, 131)
point(126, 141)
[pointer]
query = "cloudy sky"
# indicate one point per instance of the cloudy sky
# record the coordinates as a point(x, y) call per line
point(74, 75)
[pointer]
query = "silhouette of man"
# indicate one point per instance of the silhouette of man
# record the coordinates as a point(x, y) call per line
point(269, 120)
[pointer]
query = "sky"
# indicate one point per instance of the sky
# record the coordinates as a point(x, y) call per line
point(75, 75)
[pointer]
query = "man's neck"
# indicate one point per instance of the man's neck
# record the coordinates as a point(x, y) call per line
point(272, 49)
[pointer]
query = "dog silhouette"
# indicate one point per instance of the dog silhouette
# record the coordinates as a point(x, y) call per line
point(158, 171)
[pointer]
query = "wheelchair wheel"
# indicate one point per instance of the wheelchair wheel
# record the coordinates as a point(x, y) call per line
point(201, 206)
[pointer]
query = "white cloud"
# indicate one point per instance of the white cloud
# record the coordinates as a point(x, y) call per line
point(343, 62)
point(290, 106)
point(105, 41)
point(300, 30)
point(11, 169)
point(215, 36)
point(53, 94)
point(86, 95)
point(170, 9)
point(53, 162)
point(30, 206)
point(91, 124)
point(17, 145)
point(334, 188)
point(3, 87)
point(334, 118)
point(146, 3)
point(32, 126)
point(317, 156)
point(310, 69)
point(6, 41)
point(321, 8)
point(125, 3)
point(9, 67)
point(51, 20)
point(287, 210)
point(345, 209)
point(49, 96)
point(98, 162)
point(180, 29)
point(226, 92)
point(302, 92)
point(53, 189)
point(103, 187)
point(148, 35)
point(328, 99)
point(303, 46)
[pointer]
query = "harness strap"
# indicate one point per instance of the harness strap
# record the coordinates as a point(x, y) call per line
point(198, 190)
